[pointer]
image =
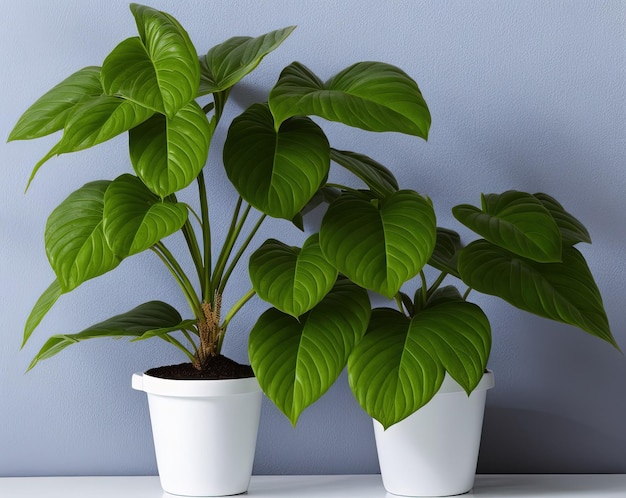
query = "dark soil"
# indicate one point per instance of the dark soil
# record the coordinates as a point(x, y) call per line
point(219, 367)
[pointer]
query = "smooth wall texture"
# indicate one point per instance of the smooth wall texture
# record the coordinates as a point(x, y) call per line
point(524, 95)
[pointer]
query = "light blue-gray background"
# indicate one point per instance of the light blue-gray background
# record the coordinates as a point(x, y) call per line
point(525, 95)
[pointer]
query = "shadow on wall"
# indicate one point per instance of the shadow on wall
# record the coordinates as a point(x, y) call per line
point(516, 441)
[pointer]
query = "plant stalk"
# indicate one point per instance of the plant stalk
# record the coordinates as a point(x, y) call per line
point(205, 281)
point(181, 278)
point(240, 252)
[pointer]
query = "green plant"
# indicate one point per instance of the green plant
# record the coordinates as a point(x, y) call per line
point(374, 238)
point(526, 257)
point(277, 158)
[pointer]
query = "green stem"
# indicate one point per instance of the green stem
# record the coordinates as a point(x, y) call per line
point(208, 108)
point(205, 281)
point(424, 288)
point(191, 341)
point(234, 230)
point(399, 303)
point(220, 99)
point(175, 342)
point(192, 211)
point(437, 283)
point(181, 278)
point(469, 289)
point(232, 312)
point(240, 252)
point(194, 248)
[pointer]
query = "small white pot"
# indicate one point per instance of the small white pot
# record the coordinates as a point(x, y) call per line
point(434, 451)
point(204, 432)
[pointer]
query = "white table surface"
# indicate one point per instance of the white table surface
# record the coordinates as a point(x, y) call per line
point(342, 486)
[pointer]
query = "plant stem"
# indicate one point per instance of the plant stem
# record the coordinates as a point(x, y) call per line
point(191, 341)
point(208, 108)
point(232, 312)
point(205, 281)
point(234, 230)
point(469, 289)
point(220, 99)
point(424, 288)
point(175, 342)
point(240, 252)
point(181, 278)
point(194, 249)
point(399, 303)
point(437, 283)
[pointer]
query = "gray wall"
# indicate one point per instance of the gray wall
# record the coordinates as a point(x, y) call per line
point(525, 95)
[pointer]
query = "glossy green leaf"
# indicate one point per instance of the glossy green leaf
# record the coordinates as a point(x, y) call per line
point(297, 360)
point(94, 121)
point(74, 237)
point(379, 244)
point(99, 119)
point(49, 113)
point(446, 251)
point(227, 63)
point(373, 96)
point(572, 230)
point(168, 154)
point(565, 292)
point(516, 221)
point(133, 323)
point(159, 70)
point(378, 178)
point(276, 172)
point(41, 308)
point(400, 364)
point(292, 279)
point(135, 219)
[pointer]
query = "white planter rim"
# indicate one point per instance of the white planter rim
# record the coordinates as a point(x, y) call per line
point(193, 388)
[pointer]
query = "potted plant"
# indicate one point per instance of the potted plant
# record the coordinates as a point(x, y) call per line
point(152, 86)
point(420, 370)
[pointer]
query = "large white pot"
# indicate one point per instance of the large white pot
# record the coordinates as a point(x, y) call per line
point(434, 451)
point(204, 432)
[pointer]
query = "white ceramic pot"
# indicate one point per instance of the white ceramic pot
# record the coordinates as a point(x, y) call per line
point(204, 432)
point(434, 451)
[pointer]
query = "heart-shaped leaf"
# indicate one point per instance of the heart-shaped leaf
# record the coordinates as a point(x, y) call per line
point(373, 96)
point(49, 113)
point(277, 172)
point(75, 243)
point(168, 154)
point(378, 178)
point(572, 230)
point(565, 292)
point(159, 70)
point(516, 221)
point(42, 306)
point(379, 244)
point(135, 219)
point(133, 323)
point(446, 251)
point(294, 280)
point(297, 360)
point(227, 63)
point(400, 363)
